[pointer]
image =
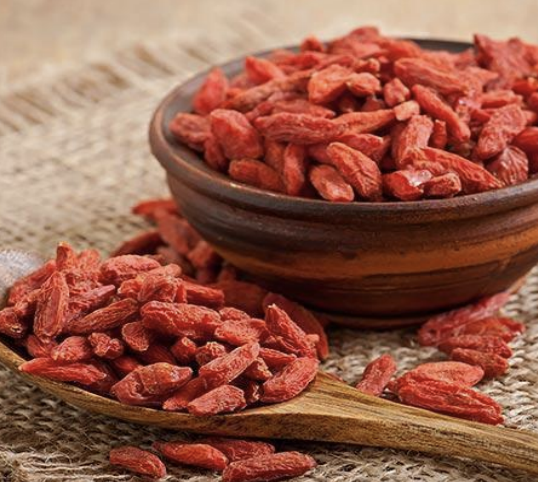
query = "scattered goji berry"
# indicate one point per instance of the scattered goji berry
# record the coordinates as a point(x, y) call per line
point(486, 344)
point(377, 375)
point(493, 365)
point(138, 461)
point(269, 467)
point(195, 454)
point(236, 449)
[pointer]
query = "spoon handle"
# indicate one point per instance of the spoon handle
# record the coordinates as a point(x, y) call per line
point(337, 413)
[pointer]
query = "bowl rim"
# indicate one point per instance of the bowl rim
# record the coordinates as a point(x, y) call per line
point(182, 162)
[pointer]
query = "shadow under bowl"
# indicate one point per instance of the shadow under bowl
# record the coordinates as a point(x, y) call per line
point(362, 264)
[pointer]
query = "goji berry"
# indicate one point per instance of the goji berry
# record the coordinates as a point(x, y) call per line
point(209, 352)
point(486, 344)
point(51, 308)
point(406, 110)
point(260, 71)
point(125, 364)
point(245, 296)
point(72, 349)
point(33, 281)
point(257, 174)
point(105, 346)
point(38, 348)
point(197, 294)
point(149, 207)
point(242, 331)
point(406, 185)
point(395, 92)
point(452, 399)
point(330, 184)
point(82, 373)
point(364, 122)
point(377, 375)
point(136, 336)
point(236, 449)
point(414, 135)
point(357, 169)
point(212, 93)
point(144, 243)
point(363, 84)
point(157, 353)
point(138, 461)
point(258, 371)
point(120, 268)
point(195, 454)
point(107, 318)
point(293, 169)
point(276, 359)
point(182, 397)
point(328, 84)
point(493, 365)
point(511, 166)
point(269, 467)
point(184, 350)
point(290, 381)
point(443, 186)
point(11, 324)
point(190, 129)
point(223, 399)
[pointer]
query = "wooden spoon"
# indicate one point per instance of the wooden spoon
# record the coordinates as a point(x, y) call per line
point(327, 411)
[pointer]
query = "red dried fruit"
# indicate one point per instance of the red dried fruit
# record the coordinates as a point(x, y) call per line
point(328, 84)
point(179, 319)
point(503, 126)
point(474, 178)
point(313, 44)
point(486, 344)
point(406, 185)
point(276, 359)
point(274, 154)
point(242, 331)
point(223, 399)
point(493, 365)
point(236, 449)
point(203, 295)
point(212, 93)
point(377, 375)
point(373, 146)
point(293, 169)
point(209, 352)
point(364, 122)
point(190, 129)
point(257, 174)
point(38, 348)
point(357, 169)
point(301, 106)
point(138, 461)
point(228, 367)
point(72, 349)
point(511, 166)
point(107, 318)
point(214, 155)
point(373, 104)
point(252, 391)
point(330, 185)
point(157, 353)
point(258, 371)
point(433, 105)
point(196, 454)
point(104, 346)
point(442, 326)
point(303, 318)
point(287, 333)
point(184, 350)
point(157, 287)
point(161, 378)
point(35, 280)
point(245, 296)
point(66, 258)
point(452, 399)
point(527, 140)
point(125, 364)
point(445, 371)
point(120, 268)
point(439, 137)
point(51, 308)
point(395, 92)
point(290, 381)
point(363, 84)
point(413, 71)
point(269, 467)
point(176, 232)
point(182, 397)
point(203, 256)
point(229, 313)
point(301, 129)
point(443, 186)
point(82, 373)
point(144, 243)
point(235, 134)
point(414, 135)
point(260, 71)
point(136, 336)
point(149, 207)
point(405, 111)
point(11, 324)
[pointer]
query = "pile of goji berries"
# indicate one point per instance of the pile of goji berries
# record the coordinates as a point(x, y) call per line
point(370, 118)
point(166, 323)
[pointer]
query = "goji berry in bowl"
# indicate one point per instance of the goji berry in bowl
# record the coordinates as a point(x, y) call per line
point(377, 263)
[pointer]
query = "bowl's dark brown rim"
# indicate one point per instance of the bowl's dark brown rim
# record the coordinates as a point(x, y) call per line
point(184, 163)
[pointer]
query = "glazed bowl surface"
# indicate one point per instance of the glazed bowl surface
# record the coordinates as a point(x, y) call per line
point(363, 264)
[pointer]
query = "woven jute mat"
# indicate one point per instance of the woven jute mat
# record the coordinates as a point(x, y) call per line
point(73, 159)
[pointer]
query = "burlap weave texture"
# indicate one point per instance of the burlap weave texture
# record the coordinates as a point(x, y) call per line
point(73, 159)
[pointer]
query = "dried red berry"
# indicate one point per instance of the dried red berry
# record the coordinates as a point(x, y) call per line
point(223, 399)
point(377, 375)
point(493, 365)
point(212, 93)
point(138, 461)
point(197, 454)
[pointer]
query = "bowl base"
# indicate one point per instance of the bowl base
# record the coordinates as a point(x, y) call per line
point(390, 322)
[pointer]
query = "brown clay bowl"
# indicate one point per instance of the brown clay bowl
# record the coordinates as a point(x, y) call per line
point(363, 264)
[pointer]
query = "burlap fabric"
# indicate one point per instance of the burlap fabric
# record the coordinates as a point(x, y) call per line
point(73, 159)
